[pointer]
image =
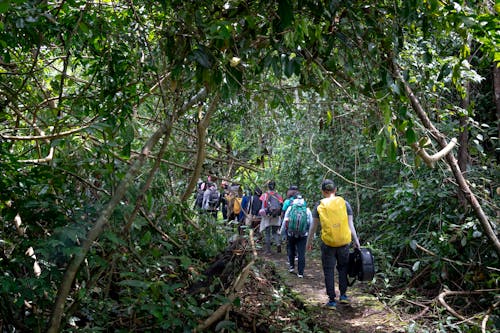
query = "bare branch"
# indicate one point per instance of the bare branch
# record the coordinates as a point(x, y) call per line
point(333, 171)
point(44, 137)
point(431, 160)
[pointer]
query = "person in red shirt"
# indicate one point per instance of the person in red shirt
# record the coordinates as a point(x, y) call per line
point(272, 203)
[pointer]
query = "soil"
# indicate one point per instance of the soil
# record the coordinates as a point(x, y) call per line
point(275, 300)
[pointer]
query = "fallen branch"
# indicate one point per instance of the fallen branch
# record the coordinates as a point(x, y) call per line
point(424, 307)
point(238, 284)
point(441, 299)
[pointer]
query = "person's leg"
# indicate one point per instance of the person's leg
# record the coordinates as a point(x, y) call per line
point(328, 261)
point(290, 248)
point(276, 237)
point(300, 244)
point(267, 241)
point(342, 262)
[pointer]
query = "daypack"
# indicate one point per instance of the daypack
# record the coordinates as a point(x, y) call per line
point(274, 204)
point(199, 199)
point(361, 265)
point(213, 199)
point(237, 206)
point(335, 229)
point(297, 220)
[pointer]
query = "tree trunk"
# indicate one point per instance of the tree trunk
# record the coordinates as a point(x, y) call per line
point(450, 159)
point(201, 130)
point(96, 230)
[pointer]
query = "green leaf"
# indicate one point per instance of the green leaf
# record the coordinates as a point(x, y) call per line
point(202, 58)
point(411, 137)
point(135, 284)
point(4, 5)
point(146, 238)
point(380, 146)
point(225, 324)
point(285, 13)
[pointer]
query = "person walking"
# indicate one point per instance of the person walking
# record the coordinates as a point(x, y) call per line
point(296, 224)
point(272, 202)
point(211, 198)
point(337, 232)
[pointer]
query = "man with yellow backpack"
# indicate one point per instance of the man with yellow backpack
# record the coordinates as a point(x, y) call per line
point(233, 199)
point(337, 231)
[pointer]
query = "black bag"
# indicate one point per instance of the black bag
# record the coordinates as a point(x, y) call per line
point(361, 265)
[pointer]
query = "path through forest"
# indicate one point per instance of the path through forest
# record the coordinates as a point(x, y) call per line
point(365, 313)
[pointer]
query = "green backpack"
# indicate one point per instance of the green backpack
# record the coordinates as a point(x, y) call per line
point(297, 220)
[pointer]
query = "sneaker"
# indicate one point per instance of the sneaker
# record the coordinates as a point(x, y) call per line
point(344, 299)
point(291, 269)
point(300, 276)
point(332, 305)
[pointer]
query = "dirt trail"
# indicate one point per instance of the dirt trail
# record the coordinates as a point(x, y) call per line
point(365, 313)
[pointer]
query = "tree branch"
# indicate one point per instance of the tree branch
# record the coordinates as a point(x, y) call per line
point(333, 171)
point(431, 160)
point(450, 158)
point(201, 129)
point(96, 230)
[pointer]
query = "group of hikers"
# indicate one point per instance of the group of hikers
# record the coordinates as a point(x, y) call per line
point(277, 217)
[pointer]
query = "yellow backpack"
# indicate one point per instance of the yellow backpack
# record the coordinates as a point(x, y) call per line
point(237, 206)
point(335, 229)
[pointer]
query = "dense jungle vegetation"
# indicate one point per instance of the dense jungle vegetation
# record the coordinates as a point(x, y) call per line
point(111, 111)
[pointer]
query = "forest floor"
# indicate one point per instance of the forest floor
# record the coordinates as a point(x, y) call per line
point(275, 300)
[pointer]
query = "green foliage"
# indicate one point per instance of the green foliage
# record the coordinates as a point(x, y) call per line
point(306, 92)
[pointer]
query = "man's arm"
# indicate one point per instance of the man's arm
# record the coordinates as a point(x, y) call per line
point(353, 231)
point(312, 232)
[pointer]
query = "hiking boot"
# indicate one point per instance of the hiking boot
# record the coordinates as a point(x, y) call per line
point(300, 276)
point(291, 269)
point(332, 305)
point(344, 299)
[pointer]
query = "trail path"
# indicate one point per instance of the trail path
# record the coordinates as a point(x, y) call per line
point(365, 313)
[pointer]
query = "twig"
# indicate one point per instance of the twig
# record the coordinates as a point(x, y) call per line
point(487, 316)
point(161, 232)
point(333, 171)
point(424, 307)
point(45, 137)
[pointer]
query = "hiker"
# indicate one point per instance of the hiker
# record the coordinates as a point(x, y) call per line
point(296, 223)
point(291, 194)
point(223, 202)
point(200, 190)
point(245, 205)
point(211, 199)
point(272, 203)
point(337, 231)
point(252, 217)
point(233, 199)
